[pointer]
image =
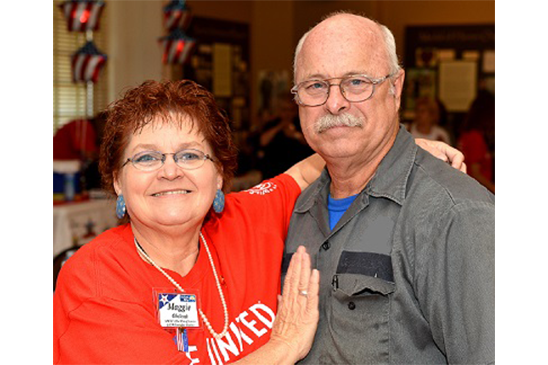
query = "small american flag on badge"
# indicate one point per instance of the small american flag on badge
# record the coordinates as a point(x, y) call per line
point(164, 299)
point(176, 15)
point(177, 47)
point(82, 15)
point(87, 62)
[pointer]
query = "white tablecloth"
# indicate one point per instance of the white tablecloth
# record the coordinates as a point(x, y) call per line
point(78, 223)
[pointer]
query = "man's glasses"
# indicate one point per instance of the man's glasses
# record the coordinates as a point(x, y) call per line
point(153, 160)
point(354, 88)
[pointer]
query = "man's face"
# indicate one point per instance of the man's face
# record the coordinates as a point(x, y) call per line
point(339, 48)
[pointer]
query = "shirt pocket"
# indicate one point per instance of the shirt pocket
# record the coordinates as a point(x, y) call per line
point(359, 315)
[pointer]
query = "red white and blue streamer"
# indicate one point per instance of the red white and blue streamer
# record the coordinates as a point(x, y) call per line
point(87, 63)
point(82, 15)
point(176, 15)
point(177, 47)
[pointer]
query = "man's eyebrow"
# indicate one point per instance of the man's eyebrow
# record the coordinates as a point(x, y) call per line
point(314, 77)
point(322, 76)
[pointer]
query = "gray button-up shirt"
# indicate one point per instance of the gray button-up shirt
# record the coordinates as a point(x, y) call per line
point(407, 274)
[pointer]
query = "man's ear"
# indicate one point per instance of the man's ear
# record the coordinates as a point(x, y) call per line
point(397, 86)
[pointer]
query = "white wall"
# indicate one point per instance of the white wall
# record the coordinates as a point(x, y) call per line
point(135, 55)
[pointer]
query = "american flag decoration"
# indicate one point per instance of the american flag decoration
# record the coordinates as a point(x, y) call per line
point(87, 62)
point(82, 15)
point(177, 47)
point(176, 15)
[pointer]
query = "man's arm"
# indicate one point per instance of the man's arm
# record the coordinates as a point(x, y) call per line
point(456, 283)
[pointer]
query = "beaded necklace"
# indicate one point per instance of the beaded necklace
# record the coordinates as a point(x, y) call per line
point(204, 318)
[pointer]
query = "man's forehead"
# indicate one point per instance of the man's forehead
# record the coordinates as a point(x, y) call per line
point(349, 26)
point(335, 59)
point(342, 33)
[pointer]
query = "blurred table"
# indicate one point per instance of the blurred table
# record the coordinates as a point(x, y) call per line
point(79, 222)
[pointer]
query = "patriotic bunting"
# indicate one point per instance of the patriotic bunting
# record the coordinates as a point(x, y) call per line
point(177, 47)
point(87, 62)
point(176, 15)
point(82, 15)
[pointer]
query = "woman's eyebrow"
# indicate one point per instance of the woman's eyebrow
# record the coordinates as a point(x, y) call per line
point(153, 147)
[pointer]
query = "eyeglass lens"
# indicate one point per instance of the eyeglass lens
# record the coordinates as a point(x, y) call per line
point(354, 89)
point(152, 160)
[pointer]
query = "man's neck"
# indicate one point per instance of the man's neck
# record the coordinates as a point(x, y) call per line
point(349, 178)
point(350, 175)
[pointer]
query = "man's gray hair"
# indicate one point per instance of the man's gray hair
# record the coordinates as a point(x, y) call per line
point(389, 41)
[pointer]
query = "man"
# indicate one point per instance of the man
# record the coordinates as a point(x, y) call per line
point(404, 243)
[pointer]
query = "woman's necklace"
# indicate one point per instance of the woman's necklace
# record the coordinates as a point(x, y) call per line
point(204, 318)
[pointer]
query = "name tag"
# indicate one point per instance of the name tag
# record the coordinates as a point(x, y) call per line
point(177, 310)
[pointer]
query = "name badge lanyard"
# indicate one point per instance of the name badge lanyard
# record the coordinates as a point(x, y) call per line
point(185, 302)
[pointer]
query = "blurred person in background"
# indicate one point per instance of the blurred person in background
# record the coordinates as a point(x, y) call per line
point(477, 129)
point(426, 123)
point(282, 143)
point(76, 140)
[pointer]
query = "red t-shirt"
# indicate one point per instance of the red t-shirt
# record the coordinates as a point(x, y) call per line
point(74, 140)
point(473, 146)
point(105, 312)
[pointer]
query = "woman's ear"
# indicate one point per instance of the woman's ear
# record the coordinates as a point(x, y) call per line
point(219, 182)
point(117, 185)
point(219, 176)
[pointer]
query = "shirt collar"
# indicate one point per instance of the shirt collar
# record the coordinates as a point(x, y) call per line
point(316, 192)
point(390, 180)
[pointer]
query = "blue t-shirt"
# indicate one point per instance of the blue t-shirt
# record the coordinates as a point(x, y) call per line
point(337, 207)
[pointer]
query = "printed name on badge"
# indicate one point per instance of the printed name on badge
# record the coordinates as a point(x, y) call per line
point(178, 310)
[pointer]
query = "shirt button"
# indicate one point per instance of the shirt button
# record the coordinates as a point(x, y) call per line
point(351, 306)
point(326, 245)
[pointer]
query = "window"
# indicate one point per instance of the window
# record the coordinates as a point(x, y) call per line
point(69, 99)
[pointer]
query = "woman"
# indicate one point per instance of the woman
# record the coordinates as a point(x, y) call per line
point(478, 126)
point(426, 122)
point(109, 294)
point(191, 278)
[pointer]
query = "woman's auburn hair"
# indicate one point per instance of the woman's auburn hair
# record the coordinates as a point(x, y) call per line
point(168, 102)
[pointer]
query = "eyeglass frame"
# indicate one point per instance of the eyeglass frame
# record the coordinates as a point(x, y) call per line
point(295, 89)
point(132, 159)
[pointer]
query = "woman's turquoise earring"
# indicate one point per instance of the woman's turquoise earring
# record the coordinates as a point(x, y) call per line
point(120, 206)
point(219, 201)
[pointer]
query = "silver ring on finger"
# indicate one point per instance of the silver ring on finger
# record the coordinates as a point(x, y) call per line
point(303, 293)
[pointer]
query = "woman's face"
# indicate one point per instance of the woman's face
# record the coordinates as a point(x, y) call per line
point(171, 195)
point(424, 115)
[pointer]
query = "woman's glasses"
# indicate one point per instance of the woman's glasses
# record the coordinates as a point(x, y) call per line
point(153, 160)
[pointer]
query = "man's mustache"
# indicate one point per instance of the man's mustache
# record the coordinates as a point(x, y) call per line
point(341, 120)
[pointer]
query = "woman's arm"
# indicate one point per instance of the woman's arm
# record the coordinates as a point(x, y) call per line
point(297, 318)
point(306, 171)
point(444, 152)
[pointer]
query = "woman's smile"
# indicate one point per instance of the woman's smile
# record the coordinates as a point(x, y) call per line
point(171, 193)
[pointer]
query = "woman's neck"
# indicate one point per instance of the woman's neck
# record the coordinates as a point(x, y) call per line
point(176, 252)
